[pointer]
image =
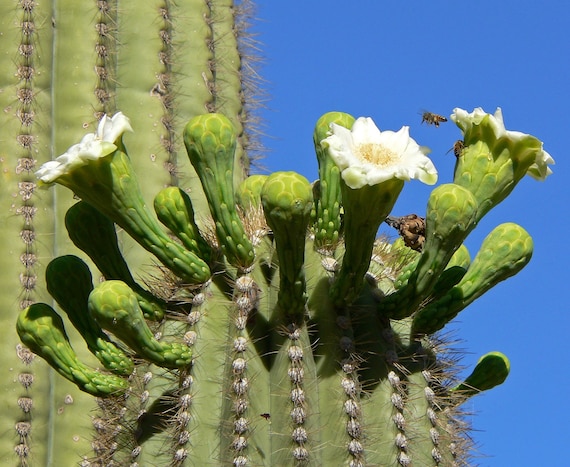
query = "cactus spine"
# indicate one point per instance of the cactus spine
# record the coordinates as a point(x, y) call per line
point(276, 330)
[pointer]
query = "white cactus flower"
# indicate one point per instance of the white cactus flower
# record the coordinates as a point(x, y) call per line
point(467, 121)
point(367, 156)
point(92, 146)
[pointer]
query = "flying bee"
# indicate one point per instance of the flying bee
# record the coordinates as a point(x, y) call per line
point(433, 119)
point(457, 148)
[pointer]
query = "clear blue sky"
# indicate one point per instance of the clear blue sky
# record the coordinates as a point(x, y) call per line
point(389, 60)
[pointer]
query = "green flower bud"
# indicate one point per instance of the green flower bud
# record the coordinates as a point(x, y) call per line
point(41, 329)
point(249, 191)
point(328, 202)
point(287, 201)
point(174, 209)
point(211, 143)
point(504, 252)
point(115, 307)
point(69, 282)
point(450, 216)
point(95, 234)
point(491, 370)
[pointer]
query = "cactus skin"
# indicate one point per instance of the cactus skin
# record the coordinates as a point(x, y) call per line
point(266, 362)
point(271, 360)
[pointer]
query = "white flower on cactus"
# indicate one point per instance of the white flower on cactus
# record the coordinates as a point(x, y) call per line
point(466, 121)
point(92, 146)
point(367, 156)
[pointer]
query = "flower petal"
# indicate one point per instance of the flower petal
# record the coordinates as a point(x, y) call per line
point(111, 129)
point(364, 130)
point(540, 170)
point(49, 171)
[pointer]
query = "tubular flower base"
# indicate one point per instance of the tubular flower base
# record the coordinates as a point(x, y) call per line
point(281, 332)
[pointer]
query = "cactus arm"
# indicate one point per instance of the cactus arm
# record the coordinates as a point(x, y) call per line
point(228, 74)
point(31, 43)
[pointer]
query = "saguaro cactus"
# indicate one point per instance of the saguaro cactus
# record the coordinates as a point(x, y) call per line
point(272, 326)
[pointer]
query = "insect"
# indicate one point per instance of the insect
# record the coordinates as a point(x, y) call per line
point(433, 119)
point(265, 415)
point(457, 148)
point(412, 229)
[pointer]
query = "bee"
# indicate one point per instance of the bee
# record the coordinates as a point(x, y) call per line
point(412, 229)
point(457, 148)
point(265, 415)
point(433, 119)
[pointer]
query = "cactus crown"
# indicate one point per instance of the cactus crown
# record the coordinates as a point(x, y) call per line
point(289, 333)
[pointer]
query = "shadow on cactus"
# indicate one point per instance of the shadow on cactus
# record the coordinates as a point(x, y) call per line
point(282, 331)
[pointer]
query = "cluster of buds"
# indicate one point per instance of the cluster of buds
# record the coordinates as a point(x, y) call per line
point(333, 321)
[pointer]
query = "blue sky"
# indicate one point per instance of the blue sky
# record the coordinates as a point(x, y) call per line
point(389, 60)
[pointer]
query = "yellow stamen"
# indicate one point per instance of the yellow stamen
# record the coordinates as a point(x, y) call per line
point(376, 154)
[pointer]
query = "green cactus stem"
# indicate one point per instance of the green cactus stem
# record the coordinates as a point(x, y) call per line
point(65, 64)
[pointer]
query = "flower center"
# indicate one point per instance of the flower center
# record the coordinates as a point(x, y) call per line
point(377, 154)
